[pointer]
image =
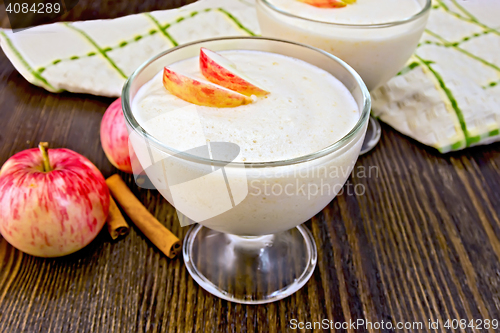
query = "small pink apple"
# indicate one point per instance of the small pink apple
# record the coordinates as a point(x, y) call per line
point(222, 71)
point(52, 203)
point(114, 139)
point(201, 92)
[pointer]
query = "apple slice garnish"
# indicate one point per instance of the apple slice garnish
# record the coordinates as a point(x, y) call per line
point(222, 71)
point(327, 3)
point(195, 91)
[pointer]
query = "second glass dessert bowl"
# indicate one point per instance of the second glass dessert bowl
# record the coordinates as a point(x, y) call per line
point(249, 245)
point(377, 51)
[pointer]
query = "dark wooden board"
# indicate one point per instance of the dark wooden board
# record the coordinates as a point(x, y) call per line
point(420, 243)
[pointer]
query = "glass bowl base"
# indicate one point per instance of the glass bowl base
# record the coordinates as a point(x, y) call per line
point(372, 137)
point(250, 270)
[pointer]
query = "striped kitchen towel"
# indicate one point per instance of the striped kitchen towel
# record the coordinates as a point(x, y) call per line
point(448, 96)
point(97, 56)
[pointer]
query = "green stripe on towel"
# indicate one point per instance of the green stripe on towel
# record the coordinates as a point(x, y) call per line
point(450, 96)
point(162, 29)
point(101, 51)
point(23, 61)
point(236, 21)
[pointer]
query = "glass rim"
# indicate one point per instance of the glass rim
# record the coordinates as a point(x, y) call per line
point(414, 17)
point(133, 123)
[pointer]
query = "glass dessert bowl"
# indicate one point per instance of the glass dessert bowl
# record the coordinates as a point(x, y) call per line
point(375, 42)
point(249, 245)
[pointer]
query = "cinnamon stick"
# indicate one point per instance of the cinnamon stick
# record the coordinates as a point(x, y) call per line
point(157, 233)
point(117, 226)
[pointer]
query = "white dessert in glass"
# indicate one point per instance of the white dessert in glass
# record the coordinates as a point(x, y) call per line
point(375, 37)
point(250, 175)
point(307, 110)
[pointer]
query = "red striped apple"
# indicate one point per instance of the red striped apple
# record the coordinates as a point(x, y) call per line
point(114, 140)
point(198, 92)
point(52, 203)
point(222, 71)
point(327, 3)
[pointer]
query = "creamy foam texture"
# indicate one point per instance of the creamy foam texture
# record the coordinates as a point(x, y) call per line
point(307, 110)
point(360, 12)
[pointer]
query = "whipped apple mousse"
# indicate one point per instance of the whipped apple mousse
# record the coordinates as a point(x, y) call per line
point(299, 110)
point(375, 37)
point(350, 12)
point(274, 108)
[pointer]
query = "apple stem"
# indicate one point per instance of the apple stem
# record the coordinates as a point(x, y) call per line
point(43, 146)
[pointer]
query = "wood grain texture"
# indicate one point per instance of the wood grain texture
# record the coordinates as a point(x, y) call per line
point(421, 242)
